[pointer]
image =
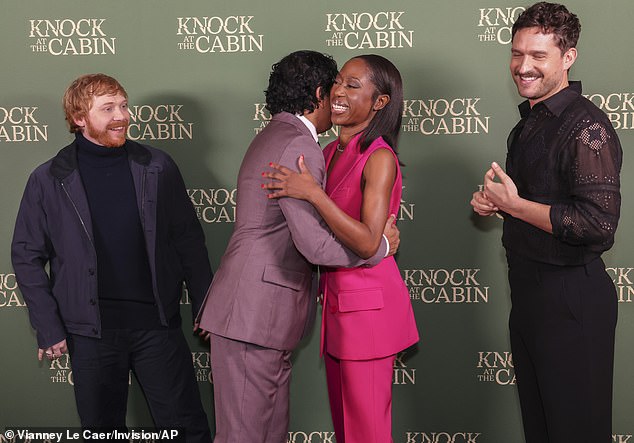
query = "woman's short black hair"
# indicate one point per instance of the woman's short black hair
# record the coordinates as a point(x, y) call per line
point(294, 80)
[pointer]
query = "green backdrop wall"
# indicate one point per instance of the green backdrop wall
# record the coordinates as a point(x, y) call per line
point(195, 72)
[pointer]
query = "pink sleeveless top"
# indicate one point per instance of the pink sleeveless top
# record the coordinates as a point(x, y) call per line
point(367, 311)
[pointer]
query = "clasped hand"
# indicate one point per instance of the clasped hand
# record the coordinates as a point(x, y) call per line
point(495, 196)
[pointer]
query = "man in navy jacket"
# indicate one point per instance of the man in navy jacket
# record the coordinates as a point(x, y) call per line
point(112, 220)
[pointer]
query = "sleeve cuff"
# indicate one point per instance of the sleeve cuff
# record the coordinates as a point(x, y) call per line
point(556, 216)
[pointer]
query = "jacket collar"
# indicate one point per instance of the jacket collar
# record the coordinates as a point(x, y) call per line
point(65, 162)
point(287, 117)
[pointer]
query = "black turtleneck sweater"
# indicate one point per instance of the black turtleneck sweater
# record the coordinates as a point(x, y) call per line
point(126, 299)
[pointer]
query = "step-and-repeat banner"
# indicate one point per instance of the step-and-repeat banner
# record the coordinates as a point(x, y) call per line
point(195, 72)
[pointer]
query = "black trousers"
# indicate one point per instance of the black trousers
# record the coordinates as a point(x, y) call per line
point(161, 362)
point(562, 325)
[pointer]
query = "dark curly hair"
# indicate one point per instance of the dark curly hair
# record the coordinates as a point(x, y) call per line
point(551, 18)
point(294, 80)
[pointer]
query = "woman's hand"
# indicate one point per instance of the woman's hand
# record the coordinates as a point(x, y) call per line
point(289, 183)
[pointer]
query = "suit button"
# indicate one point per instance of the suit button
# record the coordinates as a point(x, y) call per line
point(333, 309)
point(93, 302)
point(94, 331)
point(91, 271)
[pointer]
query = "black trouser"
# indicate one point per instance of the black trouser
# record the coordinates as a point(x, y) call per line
point(562, 326)
point(161, 362)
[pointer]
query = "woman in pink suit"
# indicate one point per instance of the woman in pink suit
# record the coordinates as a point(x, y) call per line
point(367, 315)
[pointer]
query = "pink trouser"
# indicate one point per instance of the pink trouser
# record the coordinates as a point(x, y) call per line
point(360, 393)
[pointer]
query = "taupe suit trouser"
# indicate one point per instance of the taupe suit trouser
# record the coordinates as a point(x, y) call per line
point(251, 391)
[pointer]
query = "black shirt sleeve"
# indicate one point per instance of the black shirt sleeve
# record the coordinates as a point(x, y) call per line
point(591, 214)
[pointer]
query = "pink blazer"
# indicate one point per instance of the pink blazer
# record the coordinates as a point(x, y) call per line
point(367, 311)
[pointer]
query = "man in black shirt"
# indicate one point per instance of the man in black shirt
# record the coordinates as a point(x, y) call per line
point(560, 202)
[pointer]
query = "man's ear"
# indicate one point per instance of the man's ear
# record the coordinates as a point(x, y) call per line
point(318, 92)
point(80, 120)
point(569, 57)
point(381, 102)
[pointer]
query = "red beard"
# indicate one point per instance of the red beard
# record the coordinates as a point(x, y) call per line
point(107, 138)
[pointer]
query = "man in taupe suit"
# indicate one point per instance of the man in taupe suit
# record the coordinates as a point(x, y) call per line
point(261, 302)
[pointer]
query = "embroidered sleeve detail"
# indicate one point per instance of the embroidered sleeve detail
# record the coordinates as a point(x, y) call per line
point(594, 136)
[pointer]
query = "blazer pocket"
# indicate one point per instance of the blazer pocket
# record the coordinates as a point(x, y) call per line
point(360, 299)
point(283, 277)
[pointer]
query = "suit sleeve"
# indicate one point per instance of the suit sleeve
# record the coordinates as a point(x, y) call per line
point(189, 239)
point(30, 252)
point(309, 232)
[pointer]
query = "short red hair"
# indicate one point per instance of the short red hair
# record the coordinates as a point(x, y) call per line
point(79, 95)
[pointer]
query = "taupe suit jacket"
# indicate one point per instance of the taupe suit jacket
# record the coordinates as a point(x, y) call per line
point(262, 292)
